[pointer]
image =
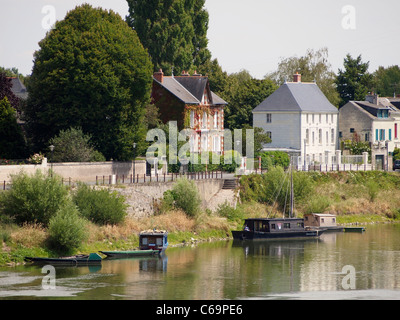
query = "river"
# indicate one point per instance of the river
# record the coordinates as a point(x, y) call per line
point(336, 266)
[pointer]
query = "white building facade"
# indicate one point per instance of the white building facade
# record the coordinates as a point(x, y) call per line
point(301, 121)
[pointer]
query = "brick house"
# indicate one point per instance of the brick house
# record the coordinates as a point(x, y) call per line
point(188, 100)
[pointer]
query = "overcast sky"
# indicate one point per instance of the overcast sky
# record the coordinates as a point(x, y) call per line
point(243, 34)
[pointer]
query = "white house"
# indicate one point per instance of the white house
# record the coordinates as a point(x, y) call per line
point(301, 121)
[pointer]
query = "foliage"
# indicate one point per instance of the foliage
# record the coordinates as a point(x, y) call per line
point(354, 81)
point(173, 31)
point(186, 197)
point(34, 198)
point(396, 154)
point(357, 147)
point(100, 205)
point(387, 81)
point(314, 66)
point(36, 158)
point(243, 94)
point(92, 72)
point(67, 230)
point(12, 141)
point(6, 92)
point(317, 204)
point(274, 158)
point(273, 187)
point(232, 214)
point(73, 145)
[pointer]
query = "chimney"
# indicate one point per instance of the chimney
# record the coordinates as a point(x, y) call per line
point(159, 76)
point(184, 73)
point(297, 77)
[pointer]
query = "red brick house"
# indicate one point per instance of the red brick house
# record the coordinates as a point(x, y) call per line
point(188, 100)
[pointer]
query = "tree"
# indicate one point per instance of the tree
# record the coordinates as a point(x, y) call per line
point(387, 81)
point(243, 93)
point(314, 66)
point(12, 141)
point(73, 145)
point(354, 81)
point(92, 72)
point(5, 91)
point(173, 31)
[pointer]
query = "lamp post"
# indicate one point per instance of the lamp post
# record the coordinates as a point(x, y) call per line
point(133, 161)
point(51, 160)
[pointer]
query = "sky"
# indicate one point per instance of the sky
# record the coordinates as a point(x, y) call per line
point(252, 35)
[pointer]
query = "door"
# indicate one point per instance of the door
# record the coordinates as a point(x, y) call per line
point(379, 161)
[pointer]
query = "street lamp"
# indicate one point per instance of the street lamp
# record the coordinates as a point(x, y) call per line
point(133, 161)
point(51, 160)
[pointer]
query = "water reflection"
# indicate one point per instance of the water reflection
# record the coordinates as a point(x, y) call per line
point(231, 270)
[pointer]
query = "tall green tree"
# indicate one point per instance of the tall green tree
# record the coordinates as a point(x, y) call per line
point(387, 81)
point(173, 31)
point(92, 72)
point(243, 93)
point(313, 66)
point(354, 81)
point(12, 141)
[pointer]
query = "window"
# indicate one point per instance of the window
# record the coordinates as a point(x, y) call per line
point(327, 137)
point(313, 138)
point(382, 134)
point(204, 125)
point(367, 136)
point(376, 135)
point(332, 135)
point(320, 118)
point(351, 130)
point(390, 134)
point(269, 134)
point(327, 118)
point(216, 120)
point(307, 136)
point(320, 136)
point(269, 117)
point(286, 225)
point(192, 119)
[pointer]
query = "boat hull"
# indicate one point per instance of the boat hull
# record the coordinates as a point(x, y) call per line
point(249, 235)
point(130, 254)
point(92, 259)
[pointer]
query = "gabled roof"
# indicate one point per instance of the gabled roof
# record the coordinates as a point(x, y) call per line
point(189, 89)
point(18, 88)
point(297, 96)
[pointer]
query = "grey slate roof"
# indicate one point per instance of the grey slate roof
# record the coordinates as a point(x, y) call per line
point(18, 88)
point(189, 89)
point(296, 97)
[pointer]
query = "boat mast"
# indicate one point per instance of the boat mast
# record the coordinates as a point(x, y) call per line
point(291, 192)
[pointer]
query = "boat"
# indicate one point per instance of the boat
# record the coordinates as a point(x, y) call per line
point(151, 243)
point(82, 259)
point(318, 221)
point(277, 228)
point(354, 229)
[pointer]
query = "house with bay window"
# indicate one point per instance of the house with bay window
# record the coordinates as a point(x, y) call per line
point(188, 100)
point(376, 121)
point(301, 121)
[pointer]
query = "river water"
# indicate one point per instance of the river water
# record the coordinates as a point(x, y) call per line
point(336, 266)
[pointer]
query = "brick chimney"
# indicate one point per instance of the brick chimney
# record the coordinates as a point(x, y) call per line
point(159, 76)
point(297, 77)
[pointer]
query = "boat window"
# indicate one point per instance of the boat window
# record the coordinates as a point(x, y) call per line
point(286, 225)
point(159, 241)
point(300, 224)
point(144, 240)
point(273, 226)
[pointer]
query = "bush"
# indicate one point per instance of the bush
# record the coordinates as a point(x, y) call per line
point(34, 198)
point(67, 230)
point(317, 204)
point(186, 196)
point(100, 206)
point(232, 214)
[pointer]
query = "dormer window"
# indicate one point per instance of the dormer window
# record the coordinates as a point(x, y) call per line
point(383, 113)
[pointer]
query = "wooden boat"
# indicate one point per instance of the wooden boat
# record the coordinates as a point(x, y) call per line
point(273, 228)
point(151, 243)
point(319, 221)
point(266, 228)
point(91, 259)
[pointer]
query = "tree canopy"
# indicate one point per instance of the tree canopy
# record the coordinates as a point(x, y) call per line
point(173, 31)
point(354, 81)
point(92, 72)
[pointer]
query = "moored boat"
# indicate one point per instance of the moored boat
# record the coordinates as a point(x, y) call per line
point(151, 243)
point(273, 228)
point(91, 259)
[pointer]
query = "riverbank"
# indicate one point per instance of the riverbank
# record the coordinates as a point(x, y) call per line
point(354, 197)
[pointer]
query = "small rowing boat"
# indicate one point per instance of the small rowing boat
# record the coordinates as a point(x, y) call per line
point(91, 259)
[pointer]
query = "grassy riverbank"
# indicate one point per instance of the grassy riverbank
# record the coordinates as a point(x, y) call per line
point(362, 198)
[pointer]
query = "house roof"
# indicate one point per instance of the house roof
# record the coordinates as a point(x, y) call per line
point(189, 89)
point(18, 88)
point(297, 96)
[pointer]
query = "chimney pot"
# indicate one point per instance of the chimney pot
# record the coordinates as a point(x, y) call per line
point(159, 76)
point(297, 77)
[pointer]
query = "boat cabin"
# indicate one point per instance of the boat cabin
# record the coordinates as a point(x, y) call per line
point(153, 239)
point(273, 225)
point(319, 220)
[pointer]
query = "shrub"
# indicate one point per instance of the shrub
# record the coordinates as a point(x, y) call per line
point(34, 198)
point(186, 196)
point(317, 204)
point(67, 230)
point(373, 189)
point(232, 214)
point(100, 206)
